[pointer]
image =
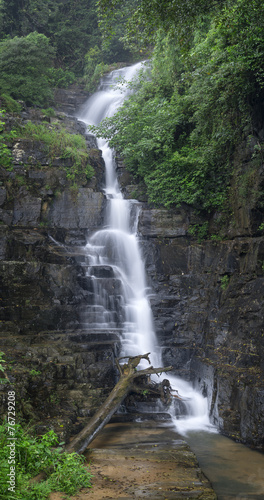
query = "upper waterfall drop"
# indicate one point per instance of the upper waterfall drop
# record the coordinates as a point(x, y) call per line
point(125, 306)
point(104, 103)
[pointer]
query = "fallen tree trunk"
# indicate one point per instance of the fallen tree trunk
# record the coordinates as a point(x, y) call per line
point(128, 374)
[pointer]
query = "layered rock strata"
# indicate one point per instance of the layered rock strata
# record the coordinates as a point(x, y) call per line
point(208, 304)
point(207, 296)
point(60, 371)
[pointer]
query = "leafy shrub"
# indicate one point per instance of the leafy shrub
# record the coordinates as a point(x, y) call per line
point(100, 70)
point(24, 65)
point(11, 105)
point(60, 78)
point(199, 230)
point(64, 472)
point(94, 68)
point(224, 282)
point(2, 369)
point(180, 129)
point(49, 112)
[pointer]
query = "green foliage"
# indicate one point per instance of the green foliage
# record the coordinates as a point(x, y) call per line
point(224, 282)
point(100, 70)
point(2, 369)
point(11, 105)
point(34, 373)
point(247, 185)
point(65, 472)
point(71, 27)
point(200, 231)
point(60, 78)
point(63, 144)
point(180, 129)
point(98, 62)
point(113, 25)
point(70, 474)
point(24, 64)
point(49, 112)
point(216, 237)
point(152, 132)
point(94, 68)
point(147, 16)
point(20, 17)
point(5, 138)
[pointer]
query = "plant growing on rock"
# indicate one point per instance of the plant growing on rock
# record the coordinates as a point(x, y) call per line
point(5, 138)
point(224, 282)
point(2, 369)
point(199, 230)
point(61, 144)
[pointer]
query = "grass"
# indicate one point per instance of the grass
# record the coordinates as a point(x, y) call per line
point(63, 145)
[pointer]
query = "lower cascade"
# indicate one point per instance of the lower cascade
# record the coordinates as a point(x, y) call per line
point(114, 265)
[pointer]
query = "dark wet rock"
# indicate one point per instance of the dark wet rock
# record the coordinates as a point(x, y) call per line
point(60, 377)
point(207, 300)
point(2, 195)
point(163, 223)
point(68, 100)
point(28, 152)
point(6, 216)
point(27, 209)
point(102, 271)
point(71, 210)
point(45, 222)
point(91, 141)
point(208, 312)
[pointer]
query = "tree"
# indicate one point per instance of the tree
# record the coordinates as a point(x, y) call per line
point(128, 375)
point(179, 130)
point(72, 28)
point(24, 65)
point(10, 15)
point(147, 16)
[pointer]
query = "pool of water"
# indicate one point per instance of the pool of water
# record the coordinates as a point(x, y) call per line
point(235, 471)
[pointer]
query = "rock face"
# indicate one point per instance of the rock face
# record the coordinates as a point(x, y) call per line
point(68, 100)
point(208, 311)
point(60, 372)
point(207, 306)
point(209, 297)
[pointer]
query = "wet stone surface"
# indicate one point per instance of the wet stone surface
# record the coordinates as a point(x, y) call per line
point(143, 461)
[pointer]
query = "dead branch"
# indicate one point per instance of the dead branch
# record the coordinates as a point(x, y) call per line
point(128, 374)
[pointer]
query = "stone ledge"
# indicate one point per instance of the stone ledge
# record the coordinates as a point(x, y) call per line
point(144, 461)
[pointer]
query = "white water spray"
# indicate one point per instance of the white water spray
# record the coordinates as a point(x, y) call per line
point(115, 249)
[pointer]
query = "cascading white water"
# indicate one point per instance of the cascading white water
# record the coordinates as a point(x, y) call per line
point(115, 249)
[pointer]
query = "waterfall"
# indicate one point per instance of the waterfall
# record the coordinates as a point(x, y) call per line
point(115, 265)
